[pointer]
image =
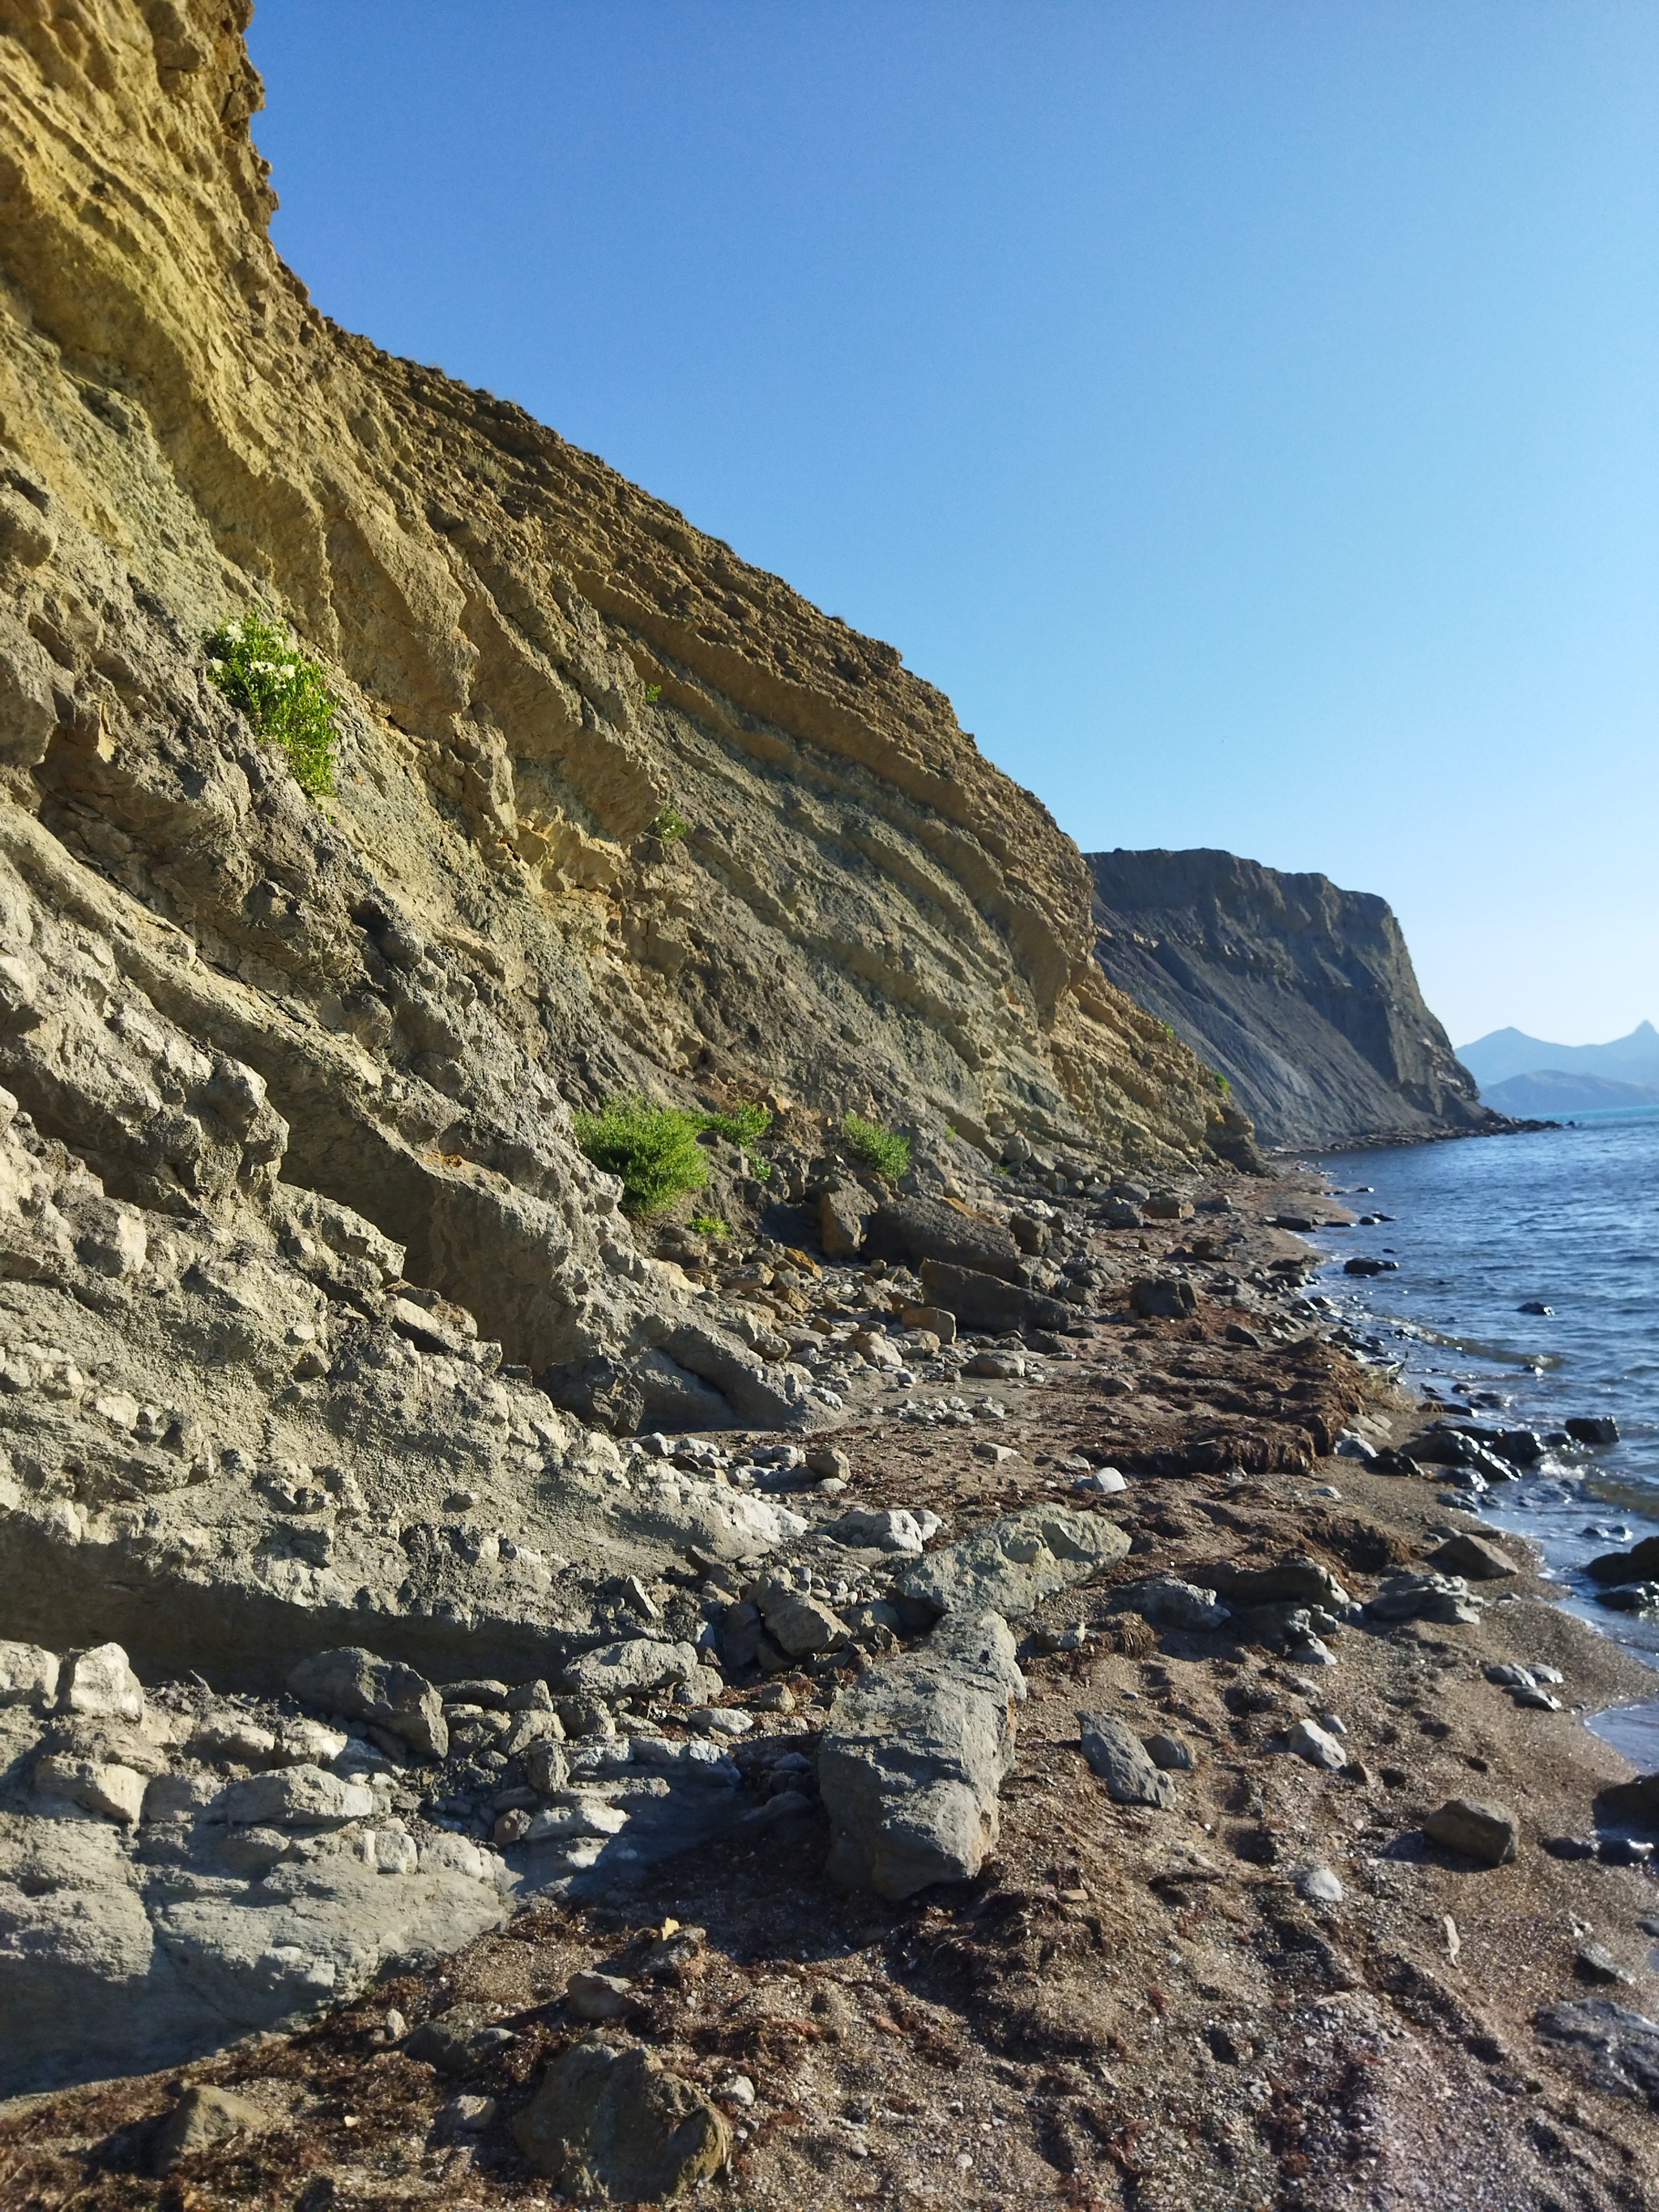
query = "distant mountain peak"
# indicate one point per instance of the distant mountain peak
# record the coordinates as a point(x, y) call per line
point(1503, 1053)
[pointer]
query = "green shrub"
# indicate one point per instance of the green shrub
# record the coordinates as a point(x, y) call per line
point(669, 823)
point(744, 1125)
point(873, 1146)
point(652, 693)
point(653, 1149)
point(710, 1225)
point(258, 667)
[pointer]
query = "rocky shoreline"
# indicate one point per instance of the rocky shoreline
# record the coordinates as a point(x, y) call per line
point(1125, 1774)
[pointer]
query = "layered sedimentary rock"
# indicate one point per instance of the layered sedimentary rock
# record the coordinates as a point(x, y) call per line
point(1301, 996)
point(217, 991)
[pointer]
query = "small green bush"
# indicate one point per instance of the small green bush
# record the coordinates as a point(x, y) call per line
point(258, 667)
point(744, 1125)
point(873, 1146)
point(653, 1149)
point(710, 1225)
point(669, 823)
point(652, 693)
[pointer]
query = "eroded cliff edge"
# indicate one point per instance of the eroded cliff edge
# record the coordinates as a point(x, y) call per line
point(536, 659)
point(1301, 994)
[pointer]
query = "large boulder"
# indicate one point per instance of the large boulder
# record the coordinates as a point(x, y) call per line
point(1294, 1580)
point(1488, 1832)
point(1013, 1564)
point(913, 1758)
point(1639, 1564)
point(380, 1691)
point(608, 2122)
point(981, 1301)
point(909, 1230)
point(612, 1671)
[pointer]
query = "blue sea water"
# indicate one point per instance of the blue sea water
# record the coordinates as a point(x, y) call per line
point(1568, 1217)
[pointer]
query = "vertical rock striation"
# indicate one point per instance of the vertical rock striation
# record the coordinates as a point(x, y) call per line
point(1301, 994)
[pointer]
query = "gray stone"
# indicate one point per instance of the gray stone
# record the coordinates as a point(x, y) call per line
point(1318, 1885)
point(1171, 1752)
point(1442, 1598)
point(1623, 2045)
point(28, 1675)
point(96, 1785)
point(1475, 1556)
point(914, 1755)
point(101, 1684)
point(1309, 1741)
point(613, 1671)
point(1119, 1758)
point(887, 1528)
point(1488, 1832)
point(1012, 1565)
point(205, 2116)
point(356, 1683)
point(1594, 1962)
point(985, 1302)
point(296, 1797)
point(457, 2040)
point(911, 1230)
point(1168, 1602)
point(799, 1624)
point(1162, 1297)
point(596, 1997)
point(1294, 1580)
point(607, 2121)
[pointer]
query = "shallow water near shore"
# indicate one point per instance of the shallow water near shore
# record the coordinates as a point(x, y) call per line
point(1569, 1217)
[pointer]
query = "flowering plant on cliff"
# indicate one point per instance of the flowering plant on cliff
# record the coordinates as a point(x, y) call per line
point(259, 668)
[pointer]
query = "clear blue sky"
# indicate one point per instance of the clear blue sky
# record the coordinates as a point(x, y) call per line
point(1247, 413)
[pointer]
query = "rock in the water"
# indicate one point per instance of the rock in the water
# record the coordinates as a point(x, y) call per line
point(1639, 1564)
point(914, 1755)
point(1473, 1556)
point(364, 1687)
point(1013, 1564)
point(28, 1675)
point(1119, 1759)
point(101, 1684)
point(1490, 1834)
point(1593, 1429)
point(607, 2121)
point(202, 2116)
point(296, 1797)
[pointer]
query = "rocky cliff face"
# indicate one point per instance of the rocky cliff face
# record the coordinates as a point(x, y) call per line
point(1301, 994)
point(218, 990)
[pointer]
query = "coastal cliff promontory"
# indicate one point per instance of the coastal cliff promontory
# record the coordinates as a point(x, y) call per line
point(1301, 994)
